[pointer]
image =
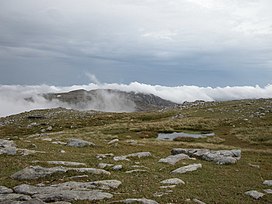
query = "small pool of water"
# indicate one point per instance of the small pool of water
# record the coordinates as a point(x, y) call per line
point(172, 136)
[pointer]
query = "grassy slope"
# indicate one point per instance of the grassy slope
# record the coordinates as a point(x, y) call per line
point(236, 125)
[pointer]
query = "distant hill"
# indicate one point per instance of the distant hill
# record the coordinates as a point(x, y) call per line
point(110, 100)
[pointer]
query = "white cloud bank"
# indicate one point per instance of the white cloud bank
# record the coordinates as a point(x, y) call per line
point(12, 98)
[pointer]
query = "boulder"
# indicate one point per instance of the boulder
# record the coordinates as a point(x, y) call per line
point(188, 168)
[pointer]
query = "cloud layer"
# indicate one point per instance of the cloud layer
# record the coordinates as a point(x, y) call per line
point(170, 42)
point(15, 99)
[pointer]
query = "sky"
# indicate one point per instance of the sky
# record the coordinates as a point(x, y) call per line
point(205, 43)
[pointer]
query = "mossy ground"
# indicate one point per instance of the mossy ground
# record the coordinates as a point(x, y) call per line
point(244, 125)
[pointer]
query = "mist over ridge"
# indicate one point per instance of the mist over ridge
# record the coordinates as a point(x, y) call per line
point(19, 98)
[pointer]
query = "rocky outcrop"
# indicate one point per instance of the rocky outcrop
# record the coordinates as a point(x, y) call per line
point(219, 156)
point(188, 168)
point(35, 172)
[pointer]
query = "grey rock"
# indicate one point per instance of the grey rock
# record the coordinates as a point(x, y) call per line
point(114, 141)
point(117, 167)
point(7, 147)
point(14, 197)
point(188, 168)
point(5, 190)
point(219, 157)
point(139, 200)
point(66, 163)
point(268, 191)
point(70, 191)
point(35, 172)
point(173, 159)
point(137, 154)
point(104, 165)
point(172, 181)
point(198, 201)
point(254, 194)
point(79, 143)
point(268, 182)
point(104, 156)
point(135, 171)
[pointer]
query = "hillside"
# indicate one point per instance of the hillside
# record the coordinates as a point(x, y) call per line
point(110, 100)
point(100, 157)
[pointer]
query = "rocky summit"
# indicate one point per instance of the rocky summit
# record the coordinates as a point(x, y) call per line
point(67, 156)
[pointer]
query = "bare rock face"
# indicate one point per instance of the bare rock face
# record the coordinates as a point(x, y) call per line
point(188, 168)
point(7, 147)
point(5, 190)
point(79, 143)
point(219, 157)
point(35, 172)
point(173, 159)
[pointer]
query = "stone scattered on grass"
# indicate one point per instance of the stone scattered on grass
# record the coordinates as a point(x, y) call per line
point(114, 141)
point(268, 191)
point(268, 182)
point(138, 200)
point(117, 167)
point(68, 191)
point(136, 171)
point(104, 165)
point(173, 159)
point(172, 181)
point(104, 156)
point(198, 201)
point(7, 147)
point(254, 194)
point(219, 157)
point(35, 172)
point(79, 143)
point(188, 168)
point(126, 157)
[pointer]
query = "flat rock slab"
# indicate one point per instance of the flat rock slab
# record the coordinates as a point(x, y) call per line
point(172, 181)
point(35, 172)
point(188, 168)
point(5, 190)
point(254, 194)
point(268, 182)
point(66, 163)
point(137, 154)
point(138, 200)
point(69, 191)
point(173, 159)
point(14, 197)
point(219, 157)
point(7, 147)
point(79, 143)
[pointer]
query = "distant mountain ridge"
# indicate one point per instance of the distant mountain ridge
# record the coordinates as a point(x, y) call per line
point(110, 100)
